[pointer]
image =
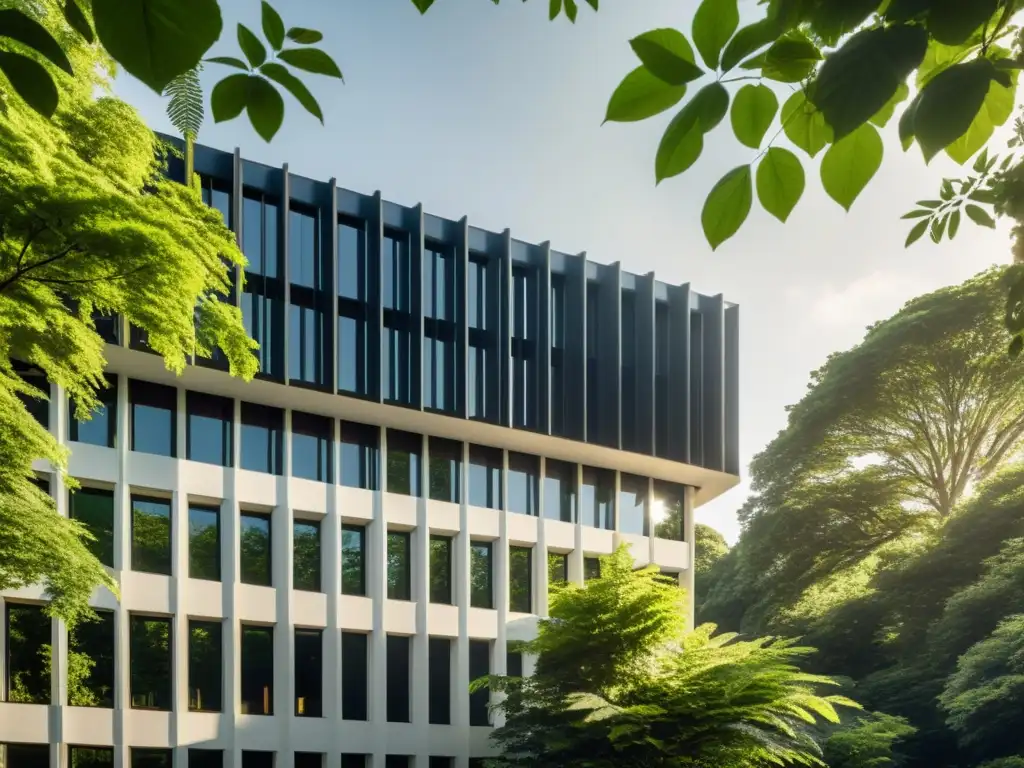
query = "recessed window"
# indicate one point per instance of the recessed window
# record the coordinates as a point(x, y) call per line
point(309, 760)
point(150, 662)
point(445, 470)
point(150, 758)
point(360, 456)
point(354, 675)
point(306, 555)
point(558, 567)
point(205, 758)
point(523, 483)
point(151, 535)
point(440, 680)
point(94, 509)
point(204, 543)
point(89, 757)
point(441, 569)
point(205, 666)
point(34, 376)
point(208, 430)
point(353, 560)
point(404, 451)
point(667, 511)
point(154, 410)
point(349, 760)
point(520, 571)
point(399, 566)
point(257, 670)
point(309, 672)
point(591, 568)
point(479, 666)
point(262, 433)
point(440, 762)
point(101, 426)
point(632, 498)
point(396, 761)
point(514, 664)
point(263, 291)
point(560, 491)
point(485, 465)
point(28, 631)
point(312, 443)
point(255, 549)
point(254, 759)
point(481, 592)
point(91, 650)
point(397, 683)
point(26, 755)
point(597, 498)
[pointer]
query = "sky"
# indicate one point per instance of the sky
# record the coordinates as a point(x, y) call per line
point(493, 112)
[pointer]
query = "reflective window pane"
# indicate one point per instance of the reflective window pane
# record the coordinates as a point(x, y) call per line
point(481, 591)
point(208, 429)
point(101, 426)
point(312, 444)
point(205, 667)
point(523, 483)
point(632, 499)
point(28, 630)
point(560, 491)
point(94, 508)
point(150, 661)
point(667, 511)
point(399, 566)
point(91, 650)
point(360, 455)
point(262, 434)
point(597, 498)
point(404, 451)
point(306, 555)
point(309, 673)
point(151, 535)
point(204, 543)
point(445, 470)
point(153, 416)
point(520, 572)
point(441, 569)
point(353, 560)
point(255, 549)
point(485, 470)
point(257, 668)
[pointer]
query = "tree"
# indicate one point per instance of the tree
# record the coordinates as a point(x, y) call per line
point(869, 741)
point(710, 547)
point(619, 682)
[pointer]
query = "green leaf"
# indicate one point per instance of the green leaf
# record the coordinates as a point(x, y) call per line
point(915, 214)
point(937, 58)
point(979, 216)
point(952, 22)
point(311, 60)
point(185, 107)
point(251, 46)
point(667, 55)
point(713, 25)
point(954, 224)
point(850, 163)
point(805, 125)
point(265, 107)
point(995, 111)
point(554, 8)
point(230, 61)
point(884, 115)
point(834, 18)
point(157, 40)
point(929, 203)
point(780, 182)
point(916, 232)
point(753, 111)
point(17, 26)
point(280, 74)
point(228, 97)
point(938, 228)
point(748, 40)
point(683, 139)
point(791, 58)
point(273, 27)
point(571, 9)
point(863, 76)
point(1016, 346)
point(981, 162)
point(31, 81)
point(947, 106)
point(421, 5)
point(641, 95)
point(906, 124)
point(76, 20)
point(304, 36)
point(727, 206)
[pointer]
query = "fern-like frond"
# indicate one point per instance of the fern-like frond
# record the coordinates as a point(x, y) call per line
point(185, 108)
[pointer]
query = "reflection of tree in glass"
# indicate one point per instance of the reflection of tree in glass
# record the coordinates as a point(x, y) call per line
point(353, 550)
point(150, 662)
point(441, 570)
point(671, 524)
point(257, 670)
point(480, 578)
point(255, 550)
point(443, 479)
point(204, 666)
point(151, 537)
point(91, 757)
point(91, 662)
point(399, 471)
point(398, 566)
point(558, 570)
point(95, 510)
point(203, 545)
point(306, 556)
point(28, 654)
point(520, 597)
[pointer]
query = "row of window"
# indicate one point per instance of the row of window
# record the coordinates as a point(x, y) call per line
point(151, 658)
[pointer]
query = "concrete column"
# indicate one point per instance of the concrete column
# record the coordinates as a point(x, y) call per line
point(330, 559)
point(688, 534)
point(576, 557)
point(230, 560)
point(376, 589)
point(461, 593)
point(541, 564)
point(281, 577)
point(122, 560)
point(501, 580)
point(420, 571)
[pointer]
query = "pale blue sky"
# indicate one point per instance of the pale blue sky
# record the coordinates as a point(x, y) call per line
point(495, 113)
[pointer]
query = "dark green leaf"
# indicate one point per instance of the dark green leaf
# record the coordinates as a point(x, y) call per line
point(230, 61)
point(641, 95)
point(946, 191)
point(273, 27)
point(979, 216)
point(571, 9)
point(995, 111)
point(265, 107)
point(884, 115)
point(713, 25)
point(906, 125)
point(805, 125)
point(304, 36)
point(727, 206)
point(747, 40)
point(780, 182)
point(157, 40)
point(1015, 347)
point(311, 60)
point(952, 22)
point(753, 111)
point(916, 232)
point(30, 33)
point(850, 163)
point(983, 196)
point(949, 103)
point(929, 203)
point(833, 18)
point(251, 46)
point(280, 74)
point(31, 81)
point(791, 58)
point(754, 62)
point(667, 55)
point(554, 8)
point(76, 20)
point(593, 4)
point(938, 228)
point(683, 140)
point(421, 5)
point(915, 214)
point(954, 224)
point(228, 97)
point(899, 11)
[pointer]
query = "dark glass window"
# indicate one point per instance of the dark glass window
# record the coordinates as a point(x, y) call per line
point(594, 383)
point(205, 758)
point(88, 757)
point(520, 572)
point(205, 666)
point(263, 292)
point(95, 510)
point(667, 511)
point(560, 398)
point(255, 549)
point(558, 567)
point(445, 470)
point(353, 560)
point(591, 568)
point(360, 456)
point(91, 651)
point(209, 428)
point(354, 679)
point(399, 566)
point(483, 400)
point(309, 760)
point(439, 327)
point(404, 450)
point(696, 389)
point(257, 670)
point(28, 668)
point(440, 762)
point(485, 468)
point(439, 682)
point(252, 759)
point(151, 535)
point(312, 443)
point(353, 276)
point(560, 491)
point(34, 376)
point(523, 483)
point(441, 570)
point(356, 311)
point(150, 660)
point(26, 755)
point(397, 683)
point(481, 594)
point(306, 555)
point(629, 342)
point(632, 498)
point(479, 666)
point(309, 341)
point(397, 333)
point(514, 664)
point(309, 672)
point(525, 321)
point(154, 410)
point(663, 401)
point(101, 426)
point(396, 761)
point(204, 543)
point(150, 758)
point(262, 430)
point(351, 760)
point(597, 498)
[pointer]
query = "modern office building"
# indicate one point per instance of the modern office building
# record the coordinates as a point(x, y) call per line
point(314, 565)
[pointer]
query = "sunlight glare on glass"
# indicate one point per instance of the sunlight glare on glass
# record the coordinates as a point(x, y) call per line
point(658, 511)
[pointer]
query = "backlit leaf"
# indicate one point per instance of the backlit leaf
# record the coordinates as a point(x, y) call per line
point(265, 107)
point(951, 22)
point(979, 216)
point(227, 100)
point(995, 111)
point(780, 182)
point(748, 40)
point(947, 106)
point(916, 232)
point(683, 139)
point(805, 125)
point(791, 58)
point(304, 36)
point(30, 33)
point(884, 115)
point(641, 95)
point(667, 55)
point(850, 164)
point(753, 111)
point(727, 206)
point(31, 81)
point(713, 25)
point(280, 74)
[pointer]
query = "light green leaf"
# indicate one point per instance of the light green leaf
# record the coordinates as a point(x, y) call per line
point(641, 95)
point(850, 163)
point(937, 58)
point(265, 107)
point(780, 182)
point(753, 111)
point(713, 25)
point(30, 33)
point(31, 81)
point(947, 106)
point(251, 46)
point(228, 97)
point(995, 111)
point(667, 55)
point(884, 115)
point(727, 206)
point(311, 60)
point(979, 216)
point(304, 36)
point(805, 125)
point(273, 27)
point(791, 58)
point(280, 74)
